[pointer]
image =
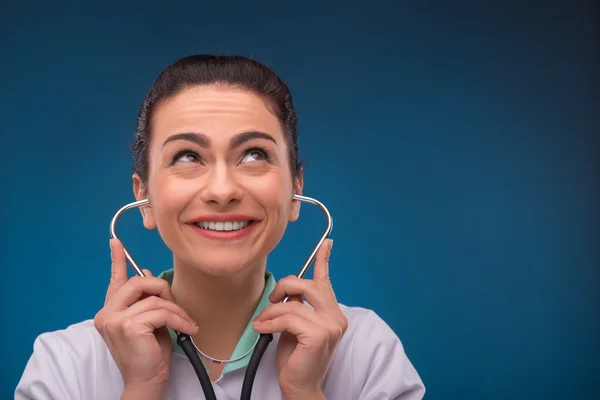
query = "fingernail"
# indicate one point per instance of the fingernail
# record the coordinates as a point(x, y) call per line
point(255, 323)
point(330, 243)
point(110, 243)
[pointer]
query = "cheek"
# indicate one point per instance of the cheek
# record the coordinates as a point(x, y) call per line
point(277, 209)
point(168, 197)
point(276, 198)
point(274, 192)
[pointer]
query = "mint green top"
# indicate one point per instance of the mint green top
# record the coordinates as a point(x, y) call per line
point(249, 336)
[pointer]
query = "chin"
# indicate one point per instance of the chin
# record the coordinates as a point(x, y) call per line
point(224, 266)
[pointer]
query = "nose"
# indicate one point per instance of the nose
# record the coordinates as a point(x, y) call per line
point(220, 187)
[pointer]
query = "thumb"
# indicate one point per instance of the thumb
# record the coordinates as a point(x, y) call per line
point(118, 275)
point(321, 271)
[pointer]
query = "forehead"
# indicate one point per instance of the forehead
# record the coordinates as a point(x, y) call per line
point(214, 111)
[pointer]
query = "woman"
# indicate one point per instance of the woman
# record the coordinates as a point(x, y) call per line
point(216, 154)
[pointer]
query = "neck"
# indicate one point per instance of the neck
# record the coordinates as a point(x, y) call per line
point(221, 306)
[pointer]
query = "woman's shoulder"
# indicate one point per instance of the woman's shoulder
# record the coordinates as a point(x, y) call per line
point(65, 363)
point(80, 338)
point(364, 321)
point(372, 360)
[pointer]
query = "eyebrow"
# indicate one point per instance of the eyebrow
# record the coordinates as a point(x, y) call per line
point(204, 141)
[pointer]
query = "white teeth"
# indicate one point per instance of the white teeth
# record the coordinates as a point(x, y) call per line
point(223, 226)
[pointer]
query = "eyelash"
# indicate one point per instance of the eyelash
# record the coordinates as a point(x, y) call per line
point(264, 152)
point(184, 152)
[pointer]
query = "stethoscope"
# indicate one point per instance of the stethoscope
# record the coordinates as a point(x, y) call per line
point(258, 349)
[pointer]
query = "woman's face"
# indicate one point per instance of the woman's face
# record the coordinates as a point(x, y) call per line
point(219, 182)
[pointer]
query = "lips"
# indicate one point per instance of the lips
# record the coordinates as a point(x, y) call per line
point(222, 218)
point(224, 226)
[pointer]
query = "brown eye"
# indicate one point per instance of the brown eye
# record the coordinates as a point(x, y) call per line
point(254, 155)
point(185, 156)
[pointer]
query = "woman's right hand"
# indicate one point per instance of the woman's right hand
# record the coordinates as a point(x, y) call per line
point(133, 324)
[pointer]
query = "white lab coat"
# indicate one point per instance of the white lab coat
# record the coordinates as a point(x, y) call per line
point(369, 364)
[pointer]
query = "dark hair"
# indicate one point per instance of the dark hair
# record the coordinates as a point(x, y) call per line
point(206, 69)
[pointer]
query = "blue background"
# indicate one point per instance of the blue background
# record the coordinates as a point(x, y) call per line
point(456, 144)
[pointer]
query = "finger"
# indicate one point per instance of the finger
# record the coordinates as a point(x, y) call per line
point(318, 296)
point(297, 298)
point(118, 275)
point(295, 308)
point(334, 321)
point(156, 303)
point(321, 271)
point(307, 333)
point(156, 319)
point(147, 273)
point(330, 324)
point(137, 287)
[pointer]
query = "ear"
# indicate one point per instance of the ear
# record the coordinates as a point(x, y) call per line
point(140, 191)
point(298, 185)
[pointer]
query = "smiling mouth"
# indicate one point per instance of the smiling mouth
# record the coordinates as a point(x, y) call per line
point(229, 226)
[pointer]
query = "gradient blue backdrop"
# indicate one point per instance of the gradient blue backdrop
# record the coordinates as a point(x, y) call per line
point(455, 143)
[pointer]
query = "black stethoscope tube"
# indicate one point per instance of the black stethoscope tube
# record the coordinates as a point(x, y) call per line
point(188, 348)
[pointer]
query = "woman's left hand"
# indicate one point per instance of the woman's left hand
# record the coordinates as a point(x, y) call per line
point(308, 337)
